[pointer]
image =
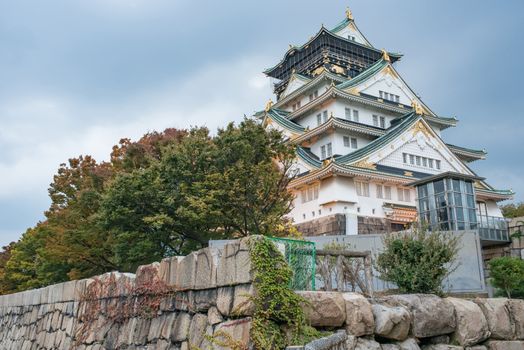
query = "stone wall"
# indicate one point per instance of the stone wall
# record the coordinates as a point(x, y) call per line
point(412, 322)
point(328, 225)
point(197, 300)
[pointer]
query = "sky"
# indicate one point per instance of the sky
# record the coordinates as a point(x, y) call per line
point(78, 75)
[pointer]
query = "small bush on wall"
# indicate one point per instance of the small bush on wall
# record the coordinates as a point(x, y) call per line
point(507, 274)
point(418, 261)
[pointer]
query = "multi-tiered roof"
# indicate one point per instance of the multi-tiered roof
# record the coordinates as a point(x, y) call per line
point(344, 60)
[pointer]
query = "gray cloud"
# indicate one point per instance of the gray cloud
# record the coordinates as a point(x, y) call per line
point(79, 75)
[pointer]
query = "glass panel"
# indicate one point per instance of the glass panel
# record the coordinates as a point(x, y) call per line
point(461, 225)
point(441, 201)
point(472, 216)
point(471, 201)
point(469, 187)
point(422, 191)
point(458, 199)
point(439, 186)
point(456, 185)
point(460, 214)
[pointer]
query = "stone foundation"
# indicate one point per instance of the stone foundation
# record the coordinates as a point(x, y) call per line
point(328, 225)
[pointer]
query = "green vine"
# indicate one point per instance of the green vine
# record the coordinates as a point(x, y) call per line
point(278, 319)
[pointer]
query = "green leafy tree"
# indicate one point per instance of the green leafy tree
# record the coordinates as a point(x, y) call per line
point(513, 210)
point(6, 284)
point(201, 188)
point(418, 261)
point(507, 273)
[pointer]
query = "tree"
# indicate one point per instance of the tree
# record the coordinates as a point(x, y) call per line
point(202, 188)
point(507, 273)
point(418, 261)
point(6, 285)
point(513, 210)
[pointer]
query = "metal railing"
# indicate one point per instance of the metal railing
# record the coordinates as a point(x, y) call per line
point(493, 228)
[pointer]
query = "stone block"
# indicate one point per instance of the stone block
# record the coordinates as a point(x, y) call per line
point(505, 345)
point(206, 268)
point(243, 304)
point(497, 314)
point(204, 299)
point(197, 330)
point(367, 344)
point(68, 293)
point(409, 344)
point(164, 270)
point(476, 347)
point(225, 297)
point(442, 347)
point(186, 272)
point(359, 315)
point(324, 309)
point(389, 347)
point(516, 308)
point(146, 274)
point(213, 316)
point(391, 322)
point(234, 265)
point(237, 330)
point(431, 315)
point(471, 327)
point(180, 330)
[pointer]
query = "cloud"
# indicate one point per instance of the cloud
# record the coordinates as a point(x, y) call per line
point(44, 131)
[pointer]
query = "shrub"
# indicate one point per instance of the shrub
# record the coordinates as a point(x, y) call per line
point(507, 274)
point(418, 261)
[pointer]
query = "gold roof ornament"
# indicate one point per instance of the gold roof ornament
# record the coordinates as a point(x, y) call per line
point(269, 104)
point(417, 107)
point(385, 55)
point(349, 14)
point(365, 164)
point(420, 127)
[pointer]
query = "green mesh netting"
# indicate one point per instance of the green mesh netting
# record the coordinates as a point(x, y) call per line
point(301, 257)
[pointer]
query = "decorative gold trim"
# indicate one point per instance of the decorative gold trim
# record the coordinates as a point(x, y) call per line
point(349, 14)
point(269, 104)
point(417, 107)
point(385, 55)
point(366, 164)
point(421, 127)
point(408, 173)
point(318, 70)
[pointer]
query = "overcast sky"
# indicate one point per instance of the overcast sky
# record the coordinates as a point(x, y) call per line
point(78, 75)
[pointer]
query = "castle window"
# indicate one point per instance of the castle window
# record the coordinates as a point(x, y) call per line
point(310, 97)
point(411, 159)
point(354, 143)
point(309, 194)
point(355, 115)
point(404, 194)
point(315, 94)
point(375, 120)
point(346, 141)
point(387, 192)
point(323, 152)
point(348, 113)
point(382, 122)
point(325, 116)
point(430, 163)
point(380, 193)
point(326, 151)
point(319, 119)
point(437, 164)
point(329, 150)
point(405, 158)
point(362, 188)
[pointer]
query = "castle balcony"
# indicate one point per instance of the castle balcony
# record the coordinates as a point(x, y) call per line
point(493, 230)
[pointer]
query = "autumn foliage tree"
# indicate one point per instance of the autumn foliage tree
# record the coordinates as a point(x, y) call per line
point(165, 194)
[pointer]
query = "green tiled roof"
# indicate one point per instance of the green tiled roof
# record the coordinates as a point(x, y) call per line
point(279, 116)
point(407, 121)
point(368, 73)
point(469, 150)
point(308, 157)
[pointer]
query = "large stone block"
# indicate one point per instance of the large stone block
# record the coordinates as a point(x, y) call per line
point(206, 268)
point(359, 315)
point(516, 308)
point(234, 266)
point(238, 330)
point(213, 316)
point(442, 347)
point(225, 300)
point(186, 272)
point(472, 327)
point(431, 315)
point(391, 322)
point(367, 344)
point(164, 270)
point(497, 314)
point(324, 309)
point(409, 344)
point(197, 330)
point(243, 304)
point(204, 299)
point(505, 345)
point(146, 274)
point(180, 330)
